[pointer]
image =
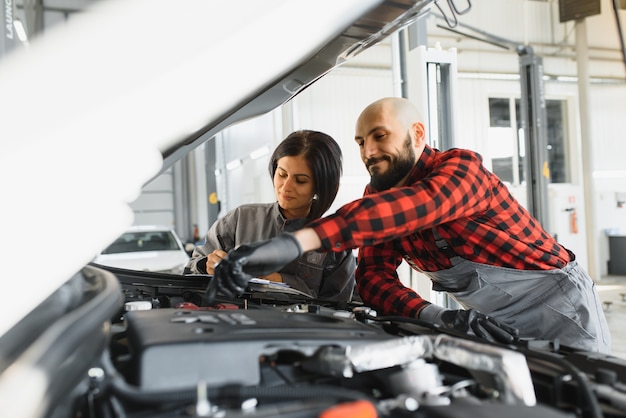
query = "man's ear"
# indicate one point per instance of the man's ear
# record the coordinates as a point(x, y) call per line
point(419, 134)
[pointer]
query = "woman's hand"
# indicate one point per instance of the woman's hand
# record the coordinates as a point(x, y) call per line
point(232, 274)
point(214, 258)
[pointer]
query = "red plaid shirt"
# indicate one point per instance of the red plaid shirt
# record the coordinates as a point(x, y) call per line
point(468, 205)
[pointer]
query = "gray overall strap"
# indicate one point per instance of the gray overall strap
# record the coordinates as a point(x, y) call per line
point(443, 245)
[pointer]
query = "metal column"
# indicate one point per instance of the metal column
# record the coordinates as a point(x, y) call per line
point(433, 91)
point(584, 109)
point(534, 125)
point(214, 205)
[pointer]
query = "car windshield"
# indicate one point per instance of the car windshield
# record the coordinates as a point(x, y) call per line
point(143, 241)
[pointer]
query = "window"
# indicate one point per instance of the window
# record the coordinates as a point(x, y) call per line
point(506, 140)
point(557, 146)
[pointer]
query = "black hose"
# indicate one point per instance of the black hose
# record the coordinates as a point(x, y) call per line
point(588, 399)
point(137, 395)
point(126, 392)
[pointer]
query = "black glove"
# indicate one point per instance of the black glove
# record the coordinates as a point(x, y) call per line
point(483, 326)
point(233, 272)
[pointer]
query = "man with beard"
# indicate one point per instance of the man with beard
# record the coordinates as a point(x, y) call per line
point(455, 221)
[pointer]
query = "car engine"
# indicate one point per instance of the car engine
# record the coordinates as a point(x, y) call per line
point(275, 353)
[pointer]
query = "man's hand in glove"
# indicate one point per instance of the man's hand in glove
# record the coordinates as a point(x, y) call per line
point(233, 272)
point(483, 326)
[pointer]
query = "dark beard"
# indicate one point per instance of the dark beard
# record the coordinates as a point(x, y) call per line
point(399, 166)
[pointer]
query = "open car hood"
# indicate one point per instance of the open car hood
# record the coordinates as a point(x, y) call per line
point(96, 108)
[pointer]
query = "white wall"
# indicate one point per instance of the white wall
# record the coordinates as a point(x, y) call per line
point(608, 130)
point(155, 204)
point(251, 182)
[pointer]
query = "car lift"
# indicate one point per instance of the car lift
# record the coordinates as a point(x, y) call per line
point(436, 71)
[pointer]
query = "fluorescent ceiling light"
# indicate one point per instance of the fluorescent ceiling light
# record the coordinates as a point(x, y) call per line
point(609, 174)
point(258, 153)
point(233, 164)
point(20, 30)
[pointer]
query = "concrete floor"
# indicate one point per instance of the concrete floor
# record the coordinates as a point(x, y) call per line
point(612, 292)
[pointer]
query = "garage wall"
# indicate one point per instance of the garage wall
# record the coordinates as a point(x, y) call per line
point(249, 182)
point(155, 204)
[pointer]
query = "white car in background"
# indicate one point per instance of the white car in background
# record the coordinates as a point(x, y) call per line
point(146, 248)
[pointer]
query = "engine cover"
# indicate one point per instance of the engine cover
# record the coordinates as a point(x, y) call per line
point(175, 348)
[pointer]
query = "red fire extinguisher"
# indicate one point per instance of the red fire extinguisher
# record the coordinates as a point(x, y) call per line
point(573, 222)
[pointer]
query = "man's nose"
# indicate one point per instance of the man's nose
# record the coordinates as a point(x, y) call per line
point(369, 149)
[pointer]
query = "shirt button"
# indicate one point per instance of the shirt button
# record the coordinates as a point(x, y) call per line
point(338, 245)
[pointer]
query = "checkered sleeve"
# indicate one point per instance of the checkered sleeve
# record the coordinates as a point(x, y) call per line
point(457, 187)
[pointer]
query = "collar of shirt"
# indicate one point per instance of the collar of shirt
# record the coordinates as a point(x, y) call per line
point(288, 225)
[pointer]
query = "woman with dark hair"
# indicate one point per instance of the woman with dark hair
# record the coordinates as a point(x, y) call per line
point(305, 168)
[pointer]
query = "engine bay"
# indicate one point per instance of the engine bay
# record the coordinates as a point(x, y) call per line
point(269, 354)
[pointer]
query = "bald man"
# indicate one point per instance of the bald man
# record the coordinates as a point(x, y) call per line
point(453, 220)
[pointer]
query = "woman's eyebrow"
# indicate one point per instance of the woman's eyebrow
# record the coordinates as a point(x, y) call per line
point(294, 174)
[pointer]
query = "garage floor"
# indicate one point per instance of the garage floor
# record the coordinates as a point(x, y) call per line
point(612, 292)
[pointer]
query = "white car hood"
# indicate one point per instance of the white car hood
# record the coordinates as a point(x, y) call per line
point(157, 260)
point(90, 109)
